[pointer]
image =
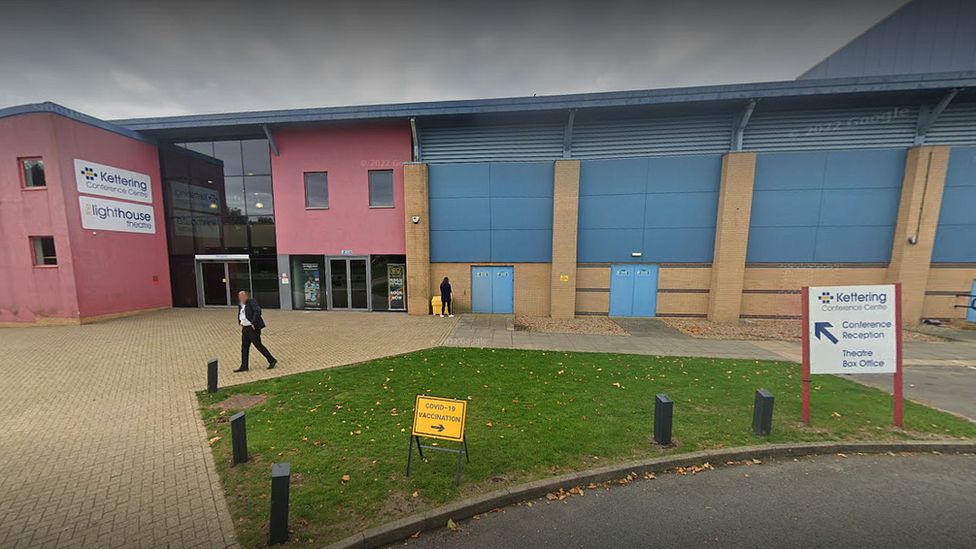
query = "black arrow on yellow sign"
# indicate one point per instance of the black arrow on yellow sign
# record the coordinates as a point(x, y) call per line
point(439, 428)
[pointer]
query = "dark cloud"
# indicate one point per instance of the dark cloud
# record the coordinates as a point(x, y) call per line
point(136, 58)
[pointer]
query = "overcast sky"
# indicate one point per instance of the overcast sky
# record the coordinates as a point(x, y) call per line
point(135, 58)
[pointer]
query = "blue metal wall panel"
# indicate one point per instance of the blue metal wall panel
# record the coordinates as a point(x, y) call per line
point(522, 246)
point(506, 208)
point(663, 207)
point(825, 206)
point(678, 245)
point(460, 246)
point(594, 244)
point(458, 181)
point(460, 214)
point(521, 213)
point(606, 177)
point(955, 237)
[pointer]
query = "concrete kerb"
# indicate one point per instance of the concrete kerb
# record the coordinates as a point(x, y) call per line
point(468, 507)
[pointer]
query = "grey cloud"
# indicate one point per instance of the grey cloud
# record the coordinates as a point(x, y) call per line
point(122, 59)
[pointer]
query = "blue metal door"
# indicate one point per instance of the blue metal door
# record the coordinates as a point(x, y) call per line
point(645, 290)
point(481, 289)
point(503, 290)
point(633, 290)
point(621, 290)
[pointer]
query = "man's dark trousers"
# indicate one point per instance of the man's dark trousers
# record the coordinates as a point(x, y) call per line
point(249, 336)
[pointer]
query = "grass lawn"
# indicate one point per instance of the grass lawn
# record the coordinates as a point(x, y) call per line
point(530, 414)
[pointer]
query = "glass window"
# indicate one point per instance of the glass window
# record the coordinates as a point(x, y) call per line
point(180, 238)
point(203, 147)
point(234, 195)
point(257, 190)
point(316, 190)
point(264, 280)
point(262, 233)
point(257, 157)
point(33, 170)
point(230, 153)
point(389, 282)
point(235, 235)
point(44, 253)
point(381, 188)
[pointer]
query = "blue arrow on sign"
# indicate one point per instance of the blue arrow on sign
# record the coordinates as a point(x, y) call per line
point(821, 328)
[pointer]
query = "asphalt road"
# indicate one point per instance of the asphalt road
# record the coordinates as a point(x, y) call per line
point(827, 501)
point(951, 388)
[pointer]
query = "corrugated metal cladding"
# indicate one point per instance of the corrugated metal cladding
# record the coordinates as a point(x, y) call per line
point(861, 128)
point(488, 143)
point(955, 126)
point(708, 134)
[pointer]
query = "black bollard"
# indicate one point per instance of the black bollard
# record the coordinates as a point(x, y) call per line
point(280, 478)
point(663, 411)
point(762, 413)
point(212, 375)
point(238, 436)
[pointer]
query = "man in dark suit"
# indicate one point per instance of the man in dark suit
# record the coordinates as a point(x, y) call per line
point(249, 318)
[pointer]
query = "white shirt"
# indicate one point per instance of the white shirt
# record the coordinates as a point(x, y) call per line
point(242, 318)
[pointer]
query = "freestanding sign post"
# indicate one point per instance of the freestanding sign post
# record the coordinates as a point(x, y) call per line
point(440, 418)
point(852, 330)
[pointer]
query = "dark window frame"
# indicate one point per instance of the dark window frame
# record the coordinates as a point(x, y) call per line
point(37, 245)
point(21, 162)
point(305, 184)
point(369, 185)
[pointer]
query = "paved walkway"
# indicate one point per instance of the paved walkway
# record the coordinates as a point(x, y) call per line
point(101, 443)
point(653, 337)
point(826, 501)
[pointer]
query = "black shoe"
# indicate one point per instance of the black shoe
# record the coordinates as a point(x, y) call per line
point(272, 364)
point(241, 369)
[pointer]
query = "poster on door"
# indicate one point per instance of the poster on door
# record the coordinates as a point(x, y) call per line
point(395, 277)
point(312, 285)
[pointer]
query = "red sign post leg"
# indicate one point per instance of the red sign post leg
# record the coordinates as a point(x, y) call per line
point(897, 390)
point(806, 354)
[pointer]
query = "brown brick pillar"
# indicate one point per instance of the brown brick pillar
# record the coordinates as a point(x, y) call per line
point(731, 236)
point(416, 205)
point(918, 216)
point(565, 215)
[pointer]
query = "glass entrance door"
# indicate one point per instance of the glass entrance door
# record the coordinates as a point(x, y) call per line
point(221, 280)
point(215, 284)
point(349, 283)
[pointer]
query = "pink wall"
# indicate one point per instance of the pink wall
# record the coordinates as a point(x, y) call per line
point(347, 153)
point(99, 272)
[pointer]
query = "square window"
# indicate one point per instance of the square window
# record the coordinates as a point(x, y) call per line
point(43, 249)
point(316, 190)
point(381, 188)
point(33, 172)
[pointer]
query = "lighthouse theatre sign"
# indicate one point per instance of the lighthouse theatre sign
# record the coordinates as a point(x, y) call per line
point(852, 330)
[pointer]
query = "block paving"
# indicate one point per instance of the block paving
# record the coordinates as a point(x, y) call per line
point(101, 441)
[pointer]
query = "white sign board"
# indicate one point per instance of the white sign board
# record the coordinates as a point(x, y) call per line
point(852, 329)
point(94, 178)
point(113, 215)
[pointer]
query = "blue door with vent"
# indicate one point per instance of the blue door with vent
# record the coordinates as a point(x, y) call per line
point(492, 289)
point(633, 290)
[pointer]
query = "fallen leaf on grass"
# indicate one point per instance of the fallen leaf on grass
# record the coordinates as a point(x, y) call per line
point(212, 441)
point(415, 494)
point(346, 478)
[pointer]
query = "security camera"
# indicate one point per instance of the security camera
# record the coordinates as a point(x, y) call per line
point(415, 219)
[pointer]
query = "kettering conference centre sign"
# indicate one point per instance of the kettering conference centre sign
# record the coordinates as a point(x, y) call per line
point(93, 178)
point(114, 215)
point(852, 329)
